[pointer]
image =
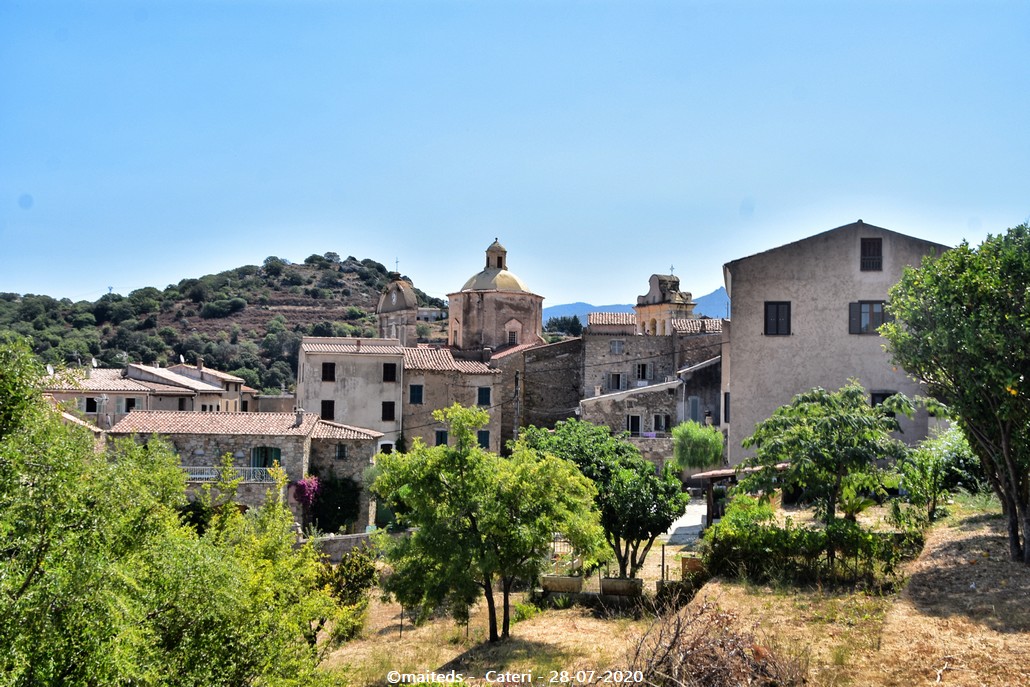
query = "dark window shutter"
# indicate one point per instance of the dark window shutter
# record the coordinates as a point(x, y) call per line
point(854, 318)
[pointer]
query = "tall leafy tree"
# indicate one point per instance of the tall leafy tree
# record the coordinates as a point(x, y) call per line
point(637, 502)
point(481, 521)
point(962, 327)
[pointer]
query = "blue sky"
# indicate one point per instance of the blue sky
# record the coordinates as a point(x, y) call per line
point(601, 142)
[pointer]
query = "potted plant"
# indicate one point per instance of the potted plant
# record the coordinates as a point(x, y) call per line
point(567, 577)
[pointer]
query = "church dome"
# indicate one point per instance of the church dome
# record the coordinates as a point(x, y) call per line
point(496, 277)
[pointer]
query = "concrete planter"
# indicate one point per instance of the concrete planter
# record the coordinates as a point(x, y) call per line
point(618, 586)
point(564, 584)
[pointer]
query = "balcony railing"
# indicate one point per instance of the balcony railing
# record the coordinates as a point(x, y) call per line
point(212, 473)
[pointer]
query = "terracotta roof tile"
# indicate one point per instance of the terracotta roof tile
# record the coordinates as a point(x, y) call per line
point(101, 379)
point(192, 422)
point(334, 430)
point(440, 359)
point(697, 326)
point(347, 345)
point(516, 349)
point(611, 318)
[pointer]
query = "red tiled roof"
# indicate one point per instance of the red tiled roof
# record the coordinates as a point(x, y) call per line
point(611, 318)
point(101, 379)
point(345, 345)
point(334, 430)
point(697, 326)
point(515, 349)
point(192, 422)
point(440, 359)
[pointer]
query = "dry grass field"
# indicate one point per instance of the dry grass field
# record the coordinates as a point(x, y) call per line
point(962, 618)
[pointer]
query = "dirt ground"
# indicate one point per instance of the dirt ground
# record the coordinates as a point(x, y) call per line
point(963, 618)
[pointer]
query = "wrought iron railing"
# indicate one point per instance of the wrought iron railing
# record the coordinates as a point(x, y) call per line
point(212, 473)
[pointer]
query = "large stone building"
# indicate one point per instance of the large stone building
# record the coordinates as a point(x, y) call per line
point(299, 442)
point(805, 315)
point(494, 310)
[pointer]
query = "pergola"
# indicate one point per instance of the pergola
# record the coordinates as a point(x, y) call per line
point(711, 477)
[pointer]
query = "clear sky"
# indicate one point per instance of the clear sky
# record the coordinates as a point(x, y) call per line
point(601, 142)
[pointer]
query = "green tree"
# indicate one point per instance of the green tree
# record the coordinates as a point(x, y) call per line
point(637, 502)
point(481, 521)
point(696, 446)
point(825, 441)
point(100, 582)
point(928, 469)
point(962, 327)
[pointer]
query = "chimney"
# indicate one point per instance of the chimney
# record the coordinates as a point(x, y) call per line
point(200, 363)
point(357, 346)
point(300, 417)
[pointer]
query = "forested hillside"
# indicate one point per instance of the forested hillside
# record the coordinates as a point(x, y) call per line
point(247, 321)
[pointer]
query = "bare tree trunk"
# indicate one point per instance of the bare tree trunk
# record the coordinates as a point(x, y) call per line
point(505, 595)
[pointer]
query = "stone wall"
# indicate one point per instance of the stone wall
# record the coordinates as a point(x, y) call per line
point(358, 459)
point(552, 381)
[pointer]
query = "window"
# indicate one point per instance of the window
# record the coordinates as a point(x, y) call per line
point(777, 318)
point(694, 408)
point(328, 410)
point(328, 372)
point(616, 346)
point(441, 437)
point(645, 371)
point(386, 448)
point(872, 255)
point(633, 425)
point(513, 338)
point(91, 405)
point(388, 411)
point(483, 436)
point(415, 394)
point(616, 381)
point(876, 398)
point(182, 404)
point(341, 452)
point(662, 423)
point(130, 405)
point(865, 317)
point(264, 456)
point(483, 396)
point(389, 372)
point(243, 406)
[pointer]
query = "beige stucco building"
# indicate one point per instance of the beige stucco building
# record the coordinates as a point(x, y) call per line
point(805, 315)
point(355, 381)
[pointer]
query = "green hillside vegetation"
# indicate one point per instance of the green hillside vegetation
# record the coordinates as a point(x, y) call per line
point(248, 321)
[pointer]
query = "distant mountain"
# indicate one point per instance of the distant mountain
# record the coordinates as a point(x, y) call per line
point(715, 304)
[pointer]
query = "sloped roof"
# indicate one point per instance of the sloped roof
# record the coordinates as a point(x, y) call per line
point(192, 422)
point(100, 379)
point(701, 325)
point(351, 345)
point(516, 349)
point(334, 430)
point(172, 378)
point(190, 371)
point(441, 360)
point(611, 318)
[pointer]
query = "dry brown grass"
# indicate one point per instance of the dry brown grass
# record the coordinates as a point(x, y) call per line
point(962, 619)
